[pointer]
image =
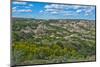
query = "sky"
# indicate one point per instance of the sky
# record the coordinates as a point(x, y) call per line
point(40, 10)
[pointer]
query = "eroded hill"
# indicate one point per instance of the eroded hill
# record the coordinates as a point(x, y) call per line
point(52, 41)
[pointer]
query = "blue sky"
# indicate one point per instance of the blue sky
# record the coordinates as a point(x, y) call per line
point(39, 10)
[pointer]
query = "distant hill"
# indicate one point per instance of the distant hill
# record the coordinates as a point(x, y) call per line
point(15, 18)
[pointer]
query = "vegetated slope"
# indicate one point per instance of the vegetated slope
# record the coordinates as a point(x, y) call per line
point(52, 41)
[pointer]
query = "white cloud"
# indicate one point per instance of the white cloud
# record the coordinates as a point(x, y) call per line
point(22, 7)
point(22, 10)
point(14, 8)
point(62, 8)
point(80, 7)
point(76, 7)
point(86, 14)
point(79, 10)
point(67, 10)
point(86, 9)
point(69, 14)
point(57, 6)
point(54, 8)
point(90, 9)
point(30, 5)
point(50, 10)
point(41, 11)
point(49, 6)
point(54, 12)
point(20, 3)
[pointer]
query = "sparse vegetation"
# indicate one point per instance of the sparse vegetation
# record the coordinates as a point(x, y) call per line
point(52, 41)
